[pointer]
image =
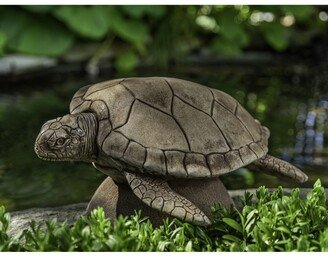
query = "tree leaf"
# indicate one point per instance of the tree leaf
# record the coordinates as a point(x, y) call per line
point(28, 35)
point(44, 40)
point(87, 21)
point(131, 30)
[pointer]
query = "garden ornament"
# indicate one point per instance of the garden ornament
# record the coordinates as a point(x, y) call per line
point(148, 131)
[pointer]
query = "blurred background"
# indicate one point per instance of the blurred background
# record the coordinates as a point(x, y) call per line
point(272, 59)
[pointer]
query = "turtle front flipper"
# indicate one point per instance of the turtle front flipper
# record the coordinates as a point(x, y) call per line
point(157, 194)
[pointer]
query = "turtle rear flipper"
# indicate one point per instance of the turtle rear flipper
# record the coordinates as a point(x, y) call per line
point(157, 194)
point(278, 167)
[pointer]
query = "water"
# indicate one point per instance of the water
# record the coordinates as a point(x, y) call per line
point(290, 100)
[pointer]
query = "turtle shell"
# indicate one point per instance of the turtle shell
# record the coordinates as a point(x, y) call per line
point(172, 127)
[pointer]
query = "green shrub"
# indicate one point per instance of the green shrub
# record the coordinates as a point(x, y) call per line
point(271, 222)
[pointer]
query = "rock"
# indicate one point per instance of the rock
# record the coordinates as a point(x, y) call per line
point(20, 219)
point(119, 199)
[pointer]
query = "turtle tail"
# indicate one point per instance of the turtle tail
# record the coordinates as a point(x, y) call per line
point(278, 167)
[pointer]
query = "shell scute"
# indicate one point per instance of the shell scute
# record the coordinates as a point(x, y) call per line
point(155, 161)
point(153, 128)
point(196, 166)
point(225, 100)
point(199, 97)
point(154, 92)
point(199, 128)
point(234, 131)
point(135, 154)
point(101, 108)
point(234, 160)
point(115, 144)
point(97, 88)
point(218, 164)
point(253, 126)
point(175, 163)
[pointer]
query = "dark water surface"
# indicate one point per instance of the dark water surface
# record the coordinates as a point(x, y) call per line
point(292, 101)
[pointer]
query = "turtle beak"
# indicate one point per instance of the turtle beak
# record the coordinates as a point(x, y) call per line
point(41, 147)
point(38, 149)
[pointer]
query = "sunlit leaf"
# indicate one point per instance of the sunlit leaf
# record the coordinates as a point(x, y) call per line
point(234, 224)
point(283, 229)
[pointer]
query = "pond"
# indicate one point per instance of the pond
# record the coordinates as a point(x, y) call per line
point(291, 100)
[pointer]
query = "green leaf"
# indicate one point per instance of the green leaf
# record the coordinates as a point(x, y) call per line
point(283, 229)
point(126, 61)
point(44, 40)
point(232, 31)
point(27, 35)
point(231, 238)
point(3, 41)
point(276, 35)
point(317, 184)
point(131, 31)
point(87, 21)
point(188, 247)
point(234, 224)
point(13, 28)
point(303, 244)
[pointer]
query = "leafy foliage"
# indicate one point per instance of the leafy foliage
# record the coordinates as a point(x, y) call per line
point(31, 35)
point(157, 33)
point(89, 22)
point(272, 222)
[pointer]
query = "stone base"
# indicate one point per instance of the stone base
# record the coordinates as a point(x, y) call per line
point(119, 199)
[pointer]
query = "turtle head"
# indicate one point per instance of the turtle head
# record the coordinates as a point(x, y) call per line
point(68, 138)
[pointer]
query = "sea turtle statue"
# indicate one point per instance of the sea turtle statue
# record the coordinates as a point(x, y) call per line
point(146, 131)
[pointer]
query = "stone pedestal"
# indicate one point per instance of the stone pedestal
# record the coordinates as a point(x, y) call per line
point(119, 199)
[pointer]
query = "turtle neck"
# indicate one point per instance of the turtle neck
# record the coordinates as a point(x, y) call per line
point(90, 126)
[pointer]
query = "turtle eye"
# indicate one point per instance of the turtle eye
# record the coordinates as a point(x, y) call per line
point(60, 141)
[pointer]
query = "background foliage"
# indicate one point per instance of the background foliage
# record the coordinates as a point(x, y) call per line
point(158, 33)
